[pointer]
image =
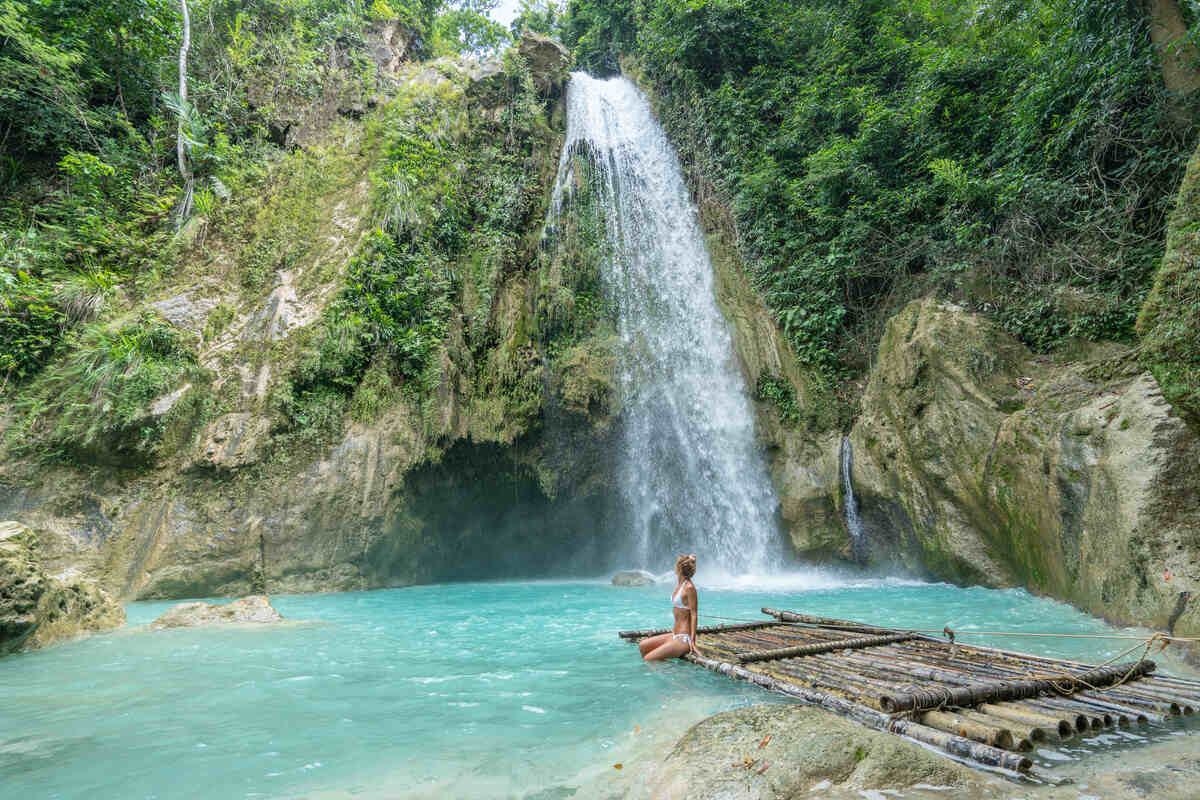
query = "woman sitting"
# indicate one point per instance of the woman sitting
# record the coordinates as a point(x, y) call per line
point(684, 605)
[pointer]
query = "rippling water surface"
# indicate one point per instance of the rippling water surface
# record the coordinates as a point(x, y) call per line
point(467, 690)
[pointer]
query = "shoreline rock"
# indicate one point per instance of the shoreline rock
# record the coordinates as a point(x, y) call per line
point(808, 750)
point(250, 610)
point(37, 609)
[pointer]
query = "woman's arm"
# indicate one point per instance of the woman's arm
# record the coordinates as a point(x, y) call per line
point(695, 607)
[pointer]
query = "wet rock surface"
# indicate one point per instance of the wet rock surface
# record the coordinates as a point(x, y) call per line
point(252, 610)
point(37, 609)
point(978, 462)
point(632, 578)
point(809, 753)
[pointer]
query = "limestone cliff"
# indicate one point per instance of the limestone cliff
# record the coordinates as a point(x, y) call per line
point(382, 378)
point(978, 462)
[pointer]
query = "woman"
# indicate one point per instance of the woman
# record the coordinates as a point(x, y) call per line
point(684, 605)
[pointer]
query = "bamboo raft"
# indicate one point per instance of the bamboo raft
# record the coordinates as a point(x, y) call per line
point(981, 705)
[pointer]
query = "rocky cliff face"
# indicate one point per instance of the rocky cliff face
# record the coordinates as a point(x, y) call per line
point(979, 463)
point(472, 446)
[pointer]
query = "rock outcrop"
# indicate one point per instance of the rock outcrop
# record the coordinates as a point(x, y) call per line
point(547, 60)
point(252, 610)
point(979, 463)
point(37, 609)
point(810, 753)
point(632, 578)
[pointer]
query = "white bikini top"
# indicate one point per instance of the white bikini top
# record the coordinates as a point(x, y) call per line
point(677, 598)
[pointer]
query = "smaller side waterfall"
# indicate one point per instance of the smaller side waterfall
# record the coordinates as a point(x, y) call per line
point(858, 537)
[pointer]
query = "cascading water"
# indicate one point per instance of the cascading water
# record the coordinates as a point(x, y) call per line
point(858, 537)
point(692, 476)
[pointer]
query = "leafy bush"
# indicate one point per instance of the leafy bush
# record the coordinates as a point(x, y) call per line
point(99, 397)
point(30, 328)
point(1018, 156)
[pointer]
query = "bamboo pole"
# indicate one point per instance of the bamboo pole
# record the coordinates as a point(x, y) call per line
point(961, 725)
point(983, 754)
point(1031, 733)
point(825, 622)
point(822, 647)
point(1006, 690)
point(1061, 727)
point(707, 629)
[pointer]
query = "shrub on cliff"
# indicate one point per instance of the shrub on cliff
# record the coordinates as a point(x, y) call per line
point(1170, 320)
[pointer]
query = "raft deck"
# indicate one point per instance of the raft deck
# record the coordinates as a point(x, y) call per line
point(978, 704)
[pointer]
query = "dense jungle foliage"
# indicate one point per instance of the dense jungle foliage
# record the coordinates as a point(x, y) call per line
point(1019, 156)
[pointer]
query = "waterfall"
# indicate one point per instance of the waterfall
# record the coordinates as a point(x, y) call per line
point(858, 538)
point(691, 475)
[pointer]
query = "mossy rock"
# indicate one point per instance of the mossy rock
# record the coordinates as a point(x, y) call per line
point(37, 610)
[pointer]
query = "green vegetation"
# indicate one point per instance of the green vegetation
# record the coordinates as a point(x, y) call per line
point(1170, 321)
point(93, 220)
point(1018, 156)
point(780, 392)
point(457, 189)
point(96, 403)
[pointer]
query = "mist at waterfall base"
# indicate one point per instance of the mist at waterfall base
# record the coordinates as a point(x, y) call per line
point(459, 690)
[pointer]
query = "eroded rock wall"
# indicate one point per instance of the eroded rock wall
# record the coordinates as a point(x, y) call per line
point(985, 464)
point(489, 463)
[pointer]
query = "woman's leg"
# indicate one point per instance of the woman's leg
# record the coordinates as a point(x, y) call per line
point(672, 648)
point(653, 642)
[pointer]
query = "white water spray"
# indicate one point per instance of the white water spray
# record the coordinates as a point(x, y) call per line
point(693, 478)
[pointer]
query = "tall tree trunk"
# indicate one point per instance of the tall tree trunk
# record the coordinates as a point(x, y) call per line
point(185, 171)
point(1168, 31)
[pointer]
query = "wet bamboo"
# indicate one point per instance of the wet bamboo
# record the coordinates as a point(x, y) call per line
point(825, 622)
point(902, 672)
point(1062, 729)
point(707, 629)
point(961, 725)
point(1002, 690)
point(1128, 713)
point(1110, 716)
point(1137, 701)
point(955, 745)
point(1126, 690)
point(1032, 726)
point(1080, 718)
point(978, 727)
point(822, 647)
point(1020, 731)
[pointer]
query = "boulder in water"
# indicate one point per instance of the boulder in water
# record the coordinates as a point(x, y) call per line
point(254, 609)
point(632, 578)
point(37, 609)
